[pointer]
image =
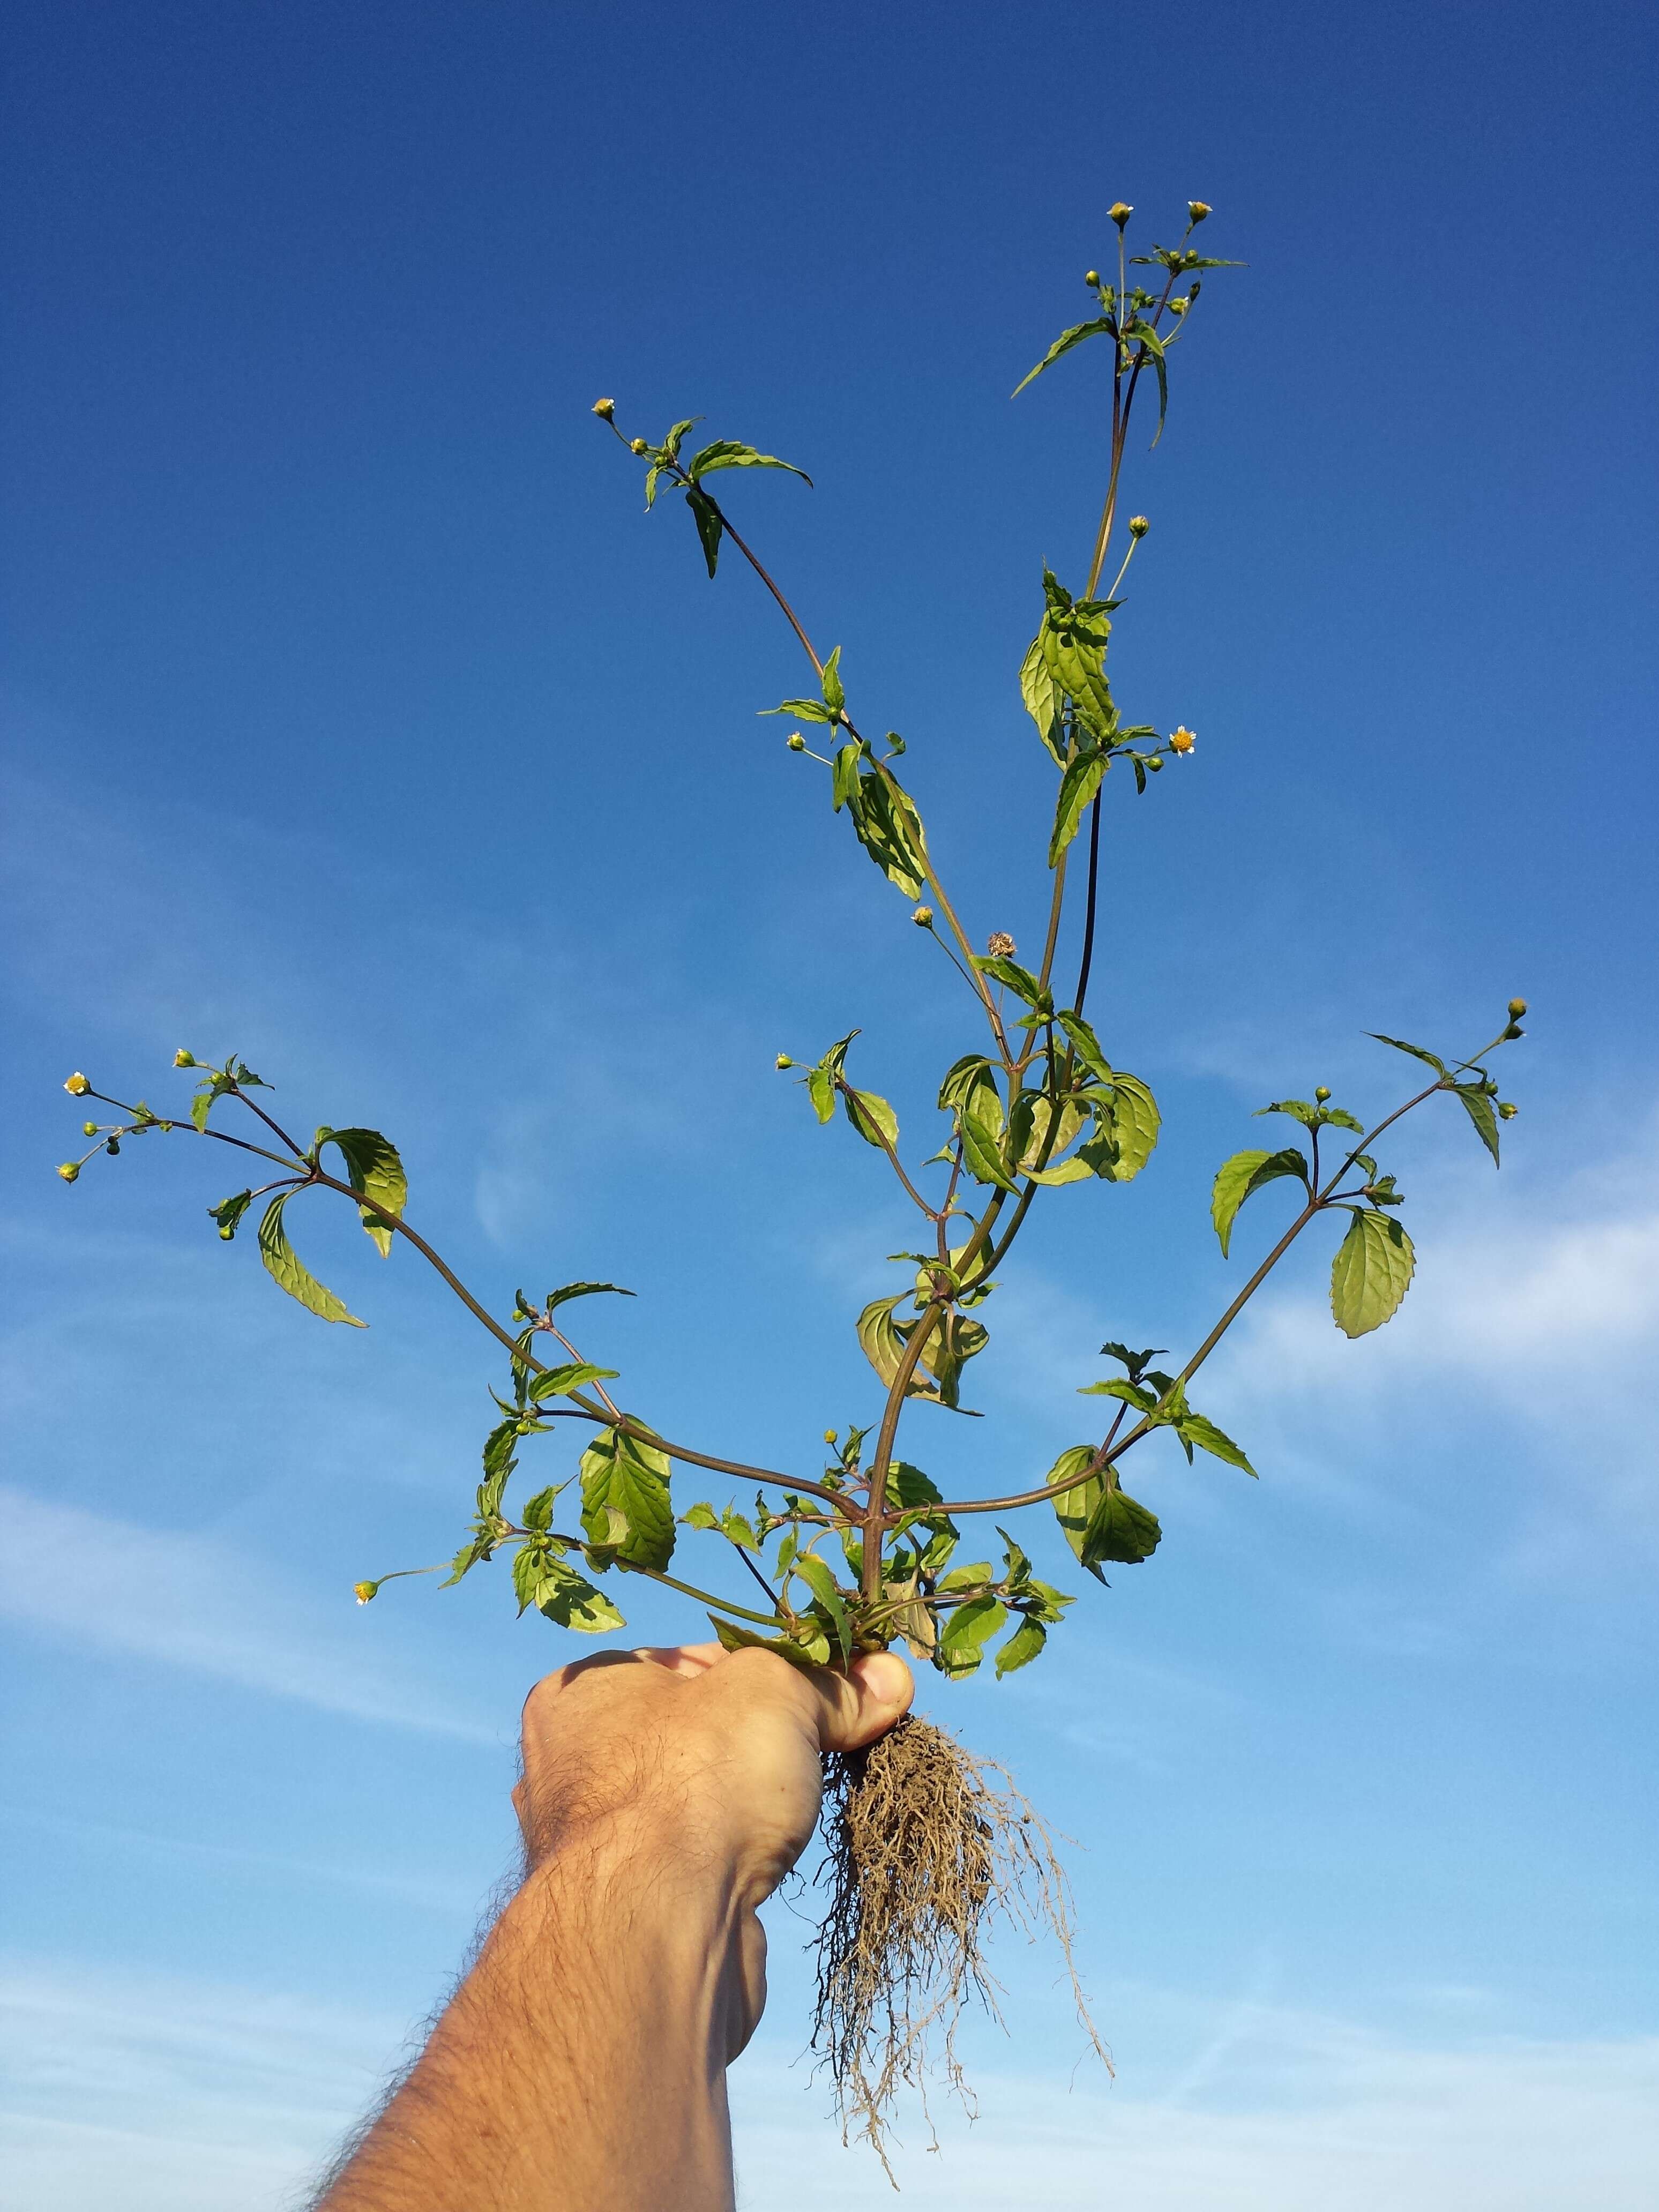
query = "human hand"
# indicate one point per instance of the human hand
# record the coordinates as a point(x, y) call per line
point(698, 1764)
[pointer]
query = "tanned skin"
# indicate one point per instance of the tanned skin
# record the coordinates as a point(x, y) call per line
point(580, 2067)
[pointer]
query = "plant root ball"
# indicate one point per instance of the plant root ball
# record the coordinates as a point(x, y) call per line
point(925, 1846)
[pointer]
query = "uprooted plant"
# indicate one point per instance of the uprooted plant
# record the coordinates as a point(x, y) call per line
point(923, 1844)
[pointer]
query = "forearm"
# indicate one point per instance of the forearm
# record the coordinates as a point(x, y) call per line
point(581, 2065)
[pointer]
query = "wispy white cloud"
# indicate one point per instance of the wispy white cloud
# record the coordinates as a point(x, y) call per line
point(171, 2095)
point(195, 1602)
point(1278, 2112)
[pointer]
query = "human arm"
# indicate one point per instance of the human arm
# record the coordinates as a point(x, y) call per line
point(580, 2066)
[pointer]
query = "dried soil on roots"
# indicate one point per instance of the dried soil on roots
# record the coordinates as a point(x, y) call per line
point(926, 1848)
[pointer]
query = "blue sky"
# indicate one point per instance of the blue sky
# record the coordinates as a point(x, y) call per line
point(355, 719)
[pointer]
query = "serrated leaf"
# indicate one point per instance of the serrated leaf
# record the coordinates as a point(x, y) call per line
point(872, 1117)
point(822, 1583)
point(890, 829)
point(1077, 787)
point(965, 1634)
point(700, 1516)
point(711, 527)
point(1196, 1429)
point(1479, 1107)
point(835, 691)
point(1063, 345)
point(570, 1600)
point(1041, 697)
point(1241, 1177)
point(728, 453)
point(229, 1211)
point(735, 1637)
point(821, 1090)
point(374, 1169)
point(844, 777)
point(1415, 1050)
point(285, 1267)
point(1086, 1045)
point(1074, 1508)
point(1020, 980)
point(1022, 1646)
point(561, 1382)
point(582, 1290)
point(625, 1498)
point(1121, 1529)
point(1135, 1124)
point(1132, 1394)
point(1370, 1273)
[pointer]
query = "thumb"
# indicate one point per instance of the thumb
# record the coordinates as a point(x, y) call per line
point(863, 1703)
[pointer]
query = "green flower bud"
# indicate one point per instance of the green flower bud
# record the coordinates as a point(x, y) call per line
point(784, 1060)
point(638, 445)
point(1513, 1030)
point(829, 1436)
point(1197, 209)
point(113, 1146)
point(923, 917)
point(1322, 1092)
point(1092, 277)
point(1119, 213)
point(1155, 765)
point(227, 1234)
point(183, 1059)
point(1517, 1008)
point(363, 1591)
point(605, 409)
point(796, 742)
point(70, 1170)
point(1138, 525)
point(88, 1129)
point(1507, 1110)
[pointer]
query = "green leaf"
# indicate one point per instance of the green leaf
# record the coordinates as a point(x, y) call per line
point(561, 1382)
point(1063, 345)
point(727, 453)
point(536, 1512)
point(801, 710)
point(229, 1211)
point(890, 830)
point(872, 1117)
point(821, 1090)
point(625, 1498)
point(711, 526)
point(1086, 1045)
point(1132, 1394)
point(1195, 1429)
point(1370, 1273)
point(735, 1637)
point(1074, 1508)
point(844, 777)
point(374, 1169)
point(1042, 698)
point(570, 1600)
point(1479, 1107)
point(1135, 1125)
point(835, 691)
point(1312, 1116)
point(1022, 1646)
point(1240, 1177)
point(700, 1516)
point(284, 1265)
point(1020, 980)
point(582, 1290)
point(877, 1334)
point(822, 1583)
point(1077, 787)
point(966, 1632)
point(1415, 1050)
point(1120, 1530)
